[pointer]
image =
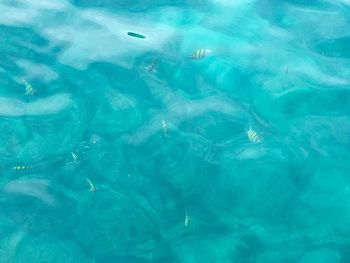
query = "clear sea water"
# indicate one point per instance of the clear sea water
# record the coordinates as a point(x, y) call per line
point(121, 149)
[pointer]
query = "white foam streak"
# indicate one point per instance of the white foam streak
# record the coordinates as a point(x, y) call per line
point(11, 107)
point(39, 71)
point(99, 36)
point(89, 35)
point(180, 111)
point(31, 187)
point(51, 105)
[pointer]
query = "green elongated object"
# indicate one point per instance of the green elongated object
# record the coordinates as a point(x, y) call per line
point(132, 34)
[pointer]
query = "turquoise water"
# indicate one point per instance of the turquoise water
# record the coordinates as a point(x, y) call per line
point(174, 131)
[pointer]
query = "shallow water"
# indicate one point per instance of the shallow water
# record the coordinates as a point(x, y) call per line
point(125, 149)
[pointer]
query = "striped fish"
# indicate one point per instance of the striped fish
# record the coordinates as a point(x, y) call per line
point(74, 156)
point(91, 185)
point(286, 70)
point(152, 67)
point(30, 91)
point(165, 128)
point(21, 168)
point(253, 136)
point(200, 53)
point(187, 219)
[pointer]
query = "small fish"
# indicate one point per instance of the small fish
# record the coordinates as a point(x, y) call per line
point(253, 136)
point(200, 53)
point(152, 67)
point(187, 219)
point(21, 168)
point(286, 70)
point(91, 185)
point(165, 128)
point(132, 34)
point(30, 91)
point(74, 156)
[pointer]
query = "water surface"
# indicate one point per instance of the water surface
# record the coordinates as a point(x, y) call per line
point(126, 149)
